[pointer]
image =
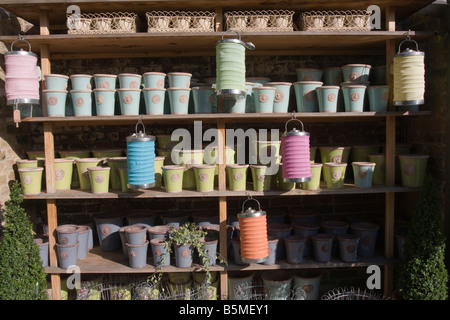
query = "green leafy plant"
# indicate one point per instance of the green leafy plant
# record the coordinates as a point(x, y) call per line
point(193, 235)
point(422, 274)
point(22, 276)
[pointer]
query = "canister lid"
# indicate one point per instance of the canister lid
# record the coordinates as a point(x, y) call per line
point(295, 132)
point(141, 136)
point(250, 212)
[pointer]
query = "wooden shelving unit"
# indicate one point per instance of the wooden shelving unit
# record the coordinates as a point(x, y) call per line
point(51, 44)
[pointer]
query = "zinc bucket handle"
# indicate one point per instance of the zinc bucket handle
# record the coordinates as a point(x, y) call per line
point(408, 40)
point(21, 39)
point(248, 45)
point(259, 206)
point(139, 123)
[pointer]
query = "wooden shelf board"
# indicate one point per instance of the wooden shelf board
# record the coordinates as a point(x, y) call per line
point(143, 44)
point(99, 261)
point(227, 117)
point(29, 9)
point(161, 193)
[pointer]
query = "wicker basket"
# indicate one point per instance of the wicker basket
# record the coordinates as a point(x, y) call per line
point(351, 20)
point(267, 20)
point(180, 21)
point(96, 23)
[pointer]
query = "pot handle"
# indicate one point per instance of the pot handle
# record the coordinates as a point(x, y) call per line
point(250, 198)
point(139, 123)
point(408, 39)
point(285, 126)
point(248, 45)
point(20, 38)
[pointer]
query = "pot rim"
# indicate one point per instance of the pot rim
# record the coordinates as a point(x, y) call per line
point(154, 73)
point(180, 74)
point(31, 169)
point(57, 75)
point(87, 160)
point(105, 75)
point(364, 163)
point(80, 75)
point(130, 75)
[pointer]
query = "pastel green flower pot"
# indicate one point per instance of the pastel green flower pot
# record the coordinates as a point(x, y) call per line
point(123, 174)
point(333, 76)
point(363, 174)
point(211, 156)
point(105, 101)
point(356, 72)
point(56, 102)
point(379, 173)
point(81, 81)
point(378, 97)
point(188, 158)
point(63, 173)
point(154, 99)
point(56, 81)
point(354, 97)
point(327, 97)
point(204, 99)
point(154, 80)
point(173, 177)
point(99, 179)
point(83, 174)
point(115, 163)
point(179, 79)
point(159, 162)
point(263, 98)
point(334, 154)
point(25, 163)
point(282, 95)
point(31, 180)
point(130, 81)
point(267, 151)
point(129, 100)
point(33, 155)
point(204, 177)
point(314, 183)
point(361, 153)
point(306, 96)
point(105, 81)
point(237, 105)
point(309, 74)
point(179, 100)
point(282, 185)
point(75, 154)
point(81, 102)
point(413, 168)
point(261, 180)
point(237, 176)
point(334, 174)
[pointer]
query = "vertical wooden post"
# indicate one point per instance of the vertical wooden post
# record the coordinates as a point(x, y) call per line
point(222, 206)
point(219, 19)
point(390, 160)
point(44, 29)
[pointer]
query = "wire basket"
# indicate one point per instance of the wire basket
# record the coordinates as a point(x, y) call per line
point(266, 20)
point(353, 294)
point(111, 289)
point(180, 21)
point(258, 291)
point(350, 20)
point(96, 23)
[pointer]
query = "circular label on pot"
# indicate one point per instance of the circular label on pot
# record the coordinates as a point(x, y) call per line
point(331, 97)
point(238, 176)
point(99, 178)
point(64, 255)
point(211, 99)
point(308, 288)
point(261, 177)
point(183, 98)
point(85, 174)
point(52, 101)
point(59, 174)
point(351, 248)
point(100, 99)
point(134, 85)
point(325, 248)
point(79, 102)
point(156, 98)
point(355, 96)
point(160, 83)
point(186, 253)
point(367, 241)
point(410, 169)
point(336, 174)
point(263, 97)
point(127, 99)
point(307, 77)
point(353, 76)
point(105, 230)
point(63, 240)
point(104, 85)
point(279, 96)
point(27, 179)
point(175, 177)
point(337, 158)
point(157, 252)
point(132, 254)
point(362, 174)
point(203, 176)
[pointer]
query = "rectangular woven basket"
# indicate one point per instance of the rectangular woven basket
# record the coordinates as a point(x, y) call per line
point(97, 23)
point(351, 20)
point(180, 21)
point(266, 20)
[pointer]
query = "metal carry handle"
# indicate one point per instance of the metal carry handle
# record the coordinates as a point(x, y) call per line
point(20, 38)
point(285, 126)
point(250, 198)
point(139, 123)
point(407, 40)
point(248, 45)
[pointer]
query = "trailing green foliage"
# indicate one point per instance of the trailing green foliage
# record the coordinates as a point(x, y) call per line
point(22, 276)
point(422, 271)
